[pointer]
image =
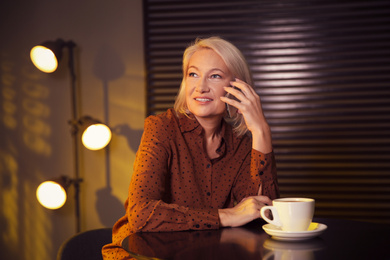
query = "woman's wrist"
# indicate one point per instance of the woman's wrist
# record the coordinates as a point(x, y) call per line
point(223, 218)
point(262, 140)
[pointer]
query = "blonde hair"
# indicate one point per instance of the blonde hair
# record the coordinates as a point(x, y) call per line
point(236, 64)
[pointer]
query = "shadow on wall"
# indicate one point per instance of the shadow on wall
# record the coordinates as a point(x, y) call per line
point(108, 66)
point(133, 136)
point(34, 144)
point(108, 216)
point(29, 127)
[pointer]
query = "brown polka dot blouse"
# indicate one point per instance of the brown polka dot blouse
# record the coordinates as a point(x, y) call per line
point(176, 186)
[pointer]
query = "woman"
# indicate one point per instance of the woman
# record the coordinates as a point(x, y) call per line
point(198, 166)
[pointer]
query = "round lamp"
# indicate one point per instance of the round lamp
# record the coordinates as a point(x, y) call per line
point(96, 136)
point(44, 59)
point(51, 195)
point(46, 56)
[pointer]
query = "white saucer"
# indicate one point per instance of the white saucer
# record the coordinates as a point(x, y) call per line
point(314, 230)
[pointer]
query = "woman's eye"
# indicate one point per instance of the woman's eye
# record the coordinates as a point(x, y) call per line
point(216, 76)
point(192, 74)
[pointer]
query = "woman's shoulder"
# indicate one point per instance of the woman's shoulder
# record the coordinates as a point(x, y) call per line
point(163, 121)
point(165, 117)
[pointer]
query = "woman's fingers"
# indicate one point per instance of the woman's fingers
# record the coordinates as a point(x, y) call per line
point(259, 200)
point(249, 105)
point(244, 212)
point(264, 199)
point(243, 87)
point(246, 95)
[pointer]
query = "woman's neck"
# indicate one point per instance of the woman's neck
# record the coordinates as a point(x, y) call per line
point(212, 135)
point(212, 127)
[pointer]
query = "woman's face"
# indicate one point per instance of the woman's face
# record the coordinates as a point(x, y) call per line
point(205, 79)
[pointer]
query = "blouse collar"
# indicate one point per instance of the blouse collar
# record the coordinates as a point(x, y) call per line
point(189, 123)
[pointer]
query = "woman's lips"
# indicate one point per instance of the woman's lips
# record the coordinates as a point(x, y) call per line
point(203, 99)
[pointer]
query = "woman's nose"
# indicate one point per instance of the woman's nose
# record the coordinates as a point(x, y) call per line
point(202, 86)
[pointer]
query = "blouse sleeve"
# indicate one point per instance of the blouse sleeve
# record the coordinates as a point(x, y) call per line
point(146, 209)
point(261, 171)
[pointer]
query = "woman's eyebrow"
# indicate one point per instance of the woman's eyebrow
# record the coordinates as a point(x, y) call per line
point(212, 69)
point(192, 67)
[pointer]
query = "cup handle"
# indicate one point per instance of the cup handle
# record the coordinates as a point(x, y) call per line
point(276, 220)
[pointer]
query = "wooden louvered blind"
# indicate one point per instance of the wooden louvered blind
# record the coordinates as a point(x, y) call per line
point(322, 69)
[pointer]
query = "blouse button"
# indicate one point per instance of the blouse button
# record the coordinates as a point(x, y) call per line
point(208, 193)
point(208, 165)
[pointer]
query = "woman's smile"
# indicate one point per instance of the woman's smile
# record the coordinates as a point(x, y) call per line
point(203, 99)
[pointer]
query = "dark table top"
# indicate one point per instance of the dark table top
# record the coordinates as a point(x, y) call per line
point(343, 239)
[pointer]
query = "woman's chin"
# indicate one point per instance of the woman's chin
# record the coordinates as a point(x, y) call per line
point(208, 115)
point(208, 112)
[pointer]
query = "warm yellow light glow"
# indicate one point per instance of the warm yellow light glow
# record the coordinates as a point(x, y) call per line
point(51, 195)
point(96, 136)
point(44, 59)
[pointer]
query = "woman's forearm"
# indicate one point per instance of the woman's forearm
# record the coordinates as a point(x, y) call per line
point(262, 140)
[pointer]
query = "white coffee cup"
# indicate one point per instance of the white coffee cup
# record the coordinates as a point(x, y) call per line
point(290, 214)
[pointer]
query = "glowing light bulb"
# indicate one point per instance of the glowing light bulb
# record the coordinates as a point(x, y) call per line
point(51, 195)
point(44, 59)
point(96, 136)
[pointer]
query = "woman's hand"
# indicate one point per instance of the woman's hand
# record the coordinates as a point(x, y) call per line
point(250, 108)
point(244, 212)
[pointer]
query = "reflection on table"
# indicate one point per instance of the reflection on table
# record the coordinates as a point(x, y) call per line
point(299, 250)
point(342, 240)
point(229, 243)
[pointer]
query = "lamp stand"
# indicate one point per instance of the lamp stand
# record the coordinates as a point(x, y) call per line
point(74, 132)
